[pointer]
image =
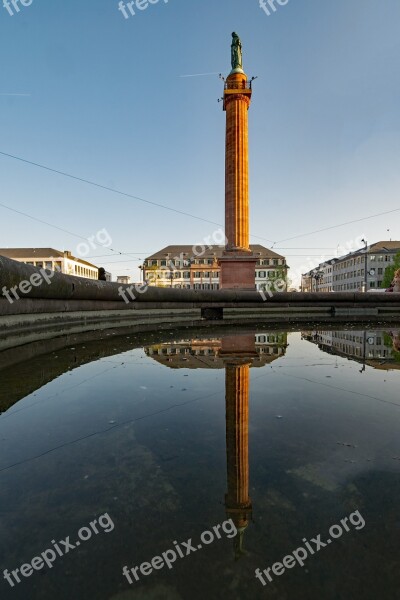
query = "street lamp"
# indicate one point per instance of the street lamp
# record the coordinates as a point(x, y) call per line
point(188, 262)
point(142, 272)
point(365, 265)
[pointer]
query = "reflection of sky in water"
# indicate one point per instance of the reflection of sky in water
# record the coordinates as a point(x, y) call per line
point(147, 443)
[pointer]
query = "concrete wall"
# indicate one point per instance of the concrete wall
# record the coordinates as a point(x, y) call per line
point(64, 304)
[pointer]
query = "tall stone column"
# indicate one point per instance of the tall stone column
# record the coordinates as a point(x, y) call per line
point(237, 265)
point(237, 102)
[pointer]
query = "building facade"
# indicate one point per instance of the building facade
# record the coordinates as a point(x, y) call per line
point(183, 267)
point(53, 260)
point(125, 279)
point(207, 353)
point(357, 271)
point(377, 349)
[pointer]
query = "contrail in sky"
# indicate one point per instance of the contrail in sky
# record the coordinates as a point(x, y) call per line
point(198, 75)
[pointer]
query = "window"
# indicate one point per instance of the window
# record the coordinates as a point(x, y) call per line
point(262, 274)
point(178, 275)
point(275, 262)
point(154, 263)
point(197, 275)
point(380, 271)
point(163, 263)
point(372, 284)
point(186, 274)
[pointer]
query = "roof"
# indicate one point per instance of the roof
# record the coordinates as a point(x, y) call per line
point(378, 247)
point(40, 254)
point(209, 251)
point(30, 252)
point(382, 245)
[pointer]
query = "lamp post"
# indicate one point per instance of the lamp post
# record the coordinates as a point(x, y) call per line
point(188, 262)
point(365, 265)
point(171, 277)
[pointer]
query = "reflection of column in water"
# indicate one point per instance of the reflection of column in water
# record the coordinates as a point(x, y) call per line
point(237, 501)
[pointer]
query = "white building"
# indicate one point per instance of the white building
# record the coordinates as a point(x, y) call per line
point(354, 272)
point(125, 279)
point(374, 348)
point(180, 267)
point(52, 259)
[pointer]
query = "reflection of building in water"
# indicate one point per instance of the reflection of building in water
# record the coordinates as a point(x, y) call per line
point(374, 348)
point(206, 354)
point(236, 353)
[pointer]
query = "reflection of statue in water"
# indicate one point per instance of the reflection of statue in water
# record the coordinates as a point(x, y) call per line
point(236, 51)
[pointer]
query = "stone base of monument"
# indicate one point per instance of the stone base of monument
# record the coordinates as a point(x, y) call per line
point(232, 351)
point(237, 272)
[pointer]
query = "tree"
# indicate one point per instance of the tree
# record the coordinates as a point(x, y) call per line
point(280, 281)
point(390, 271)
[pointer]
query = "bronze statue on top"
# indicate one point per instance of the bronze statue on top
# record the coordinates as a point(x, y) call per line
point(236, 54)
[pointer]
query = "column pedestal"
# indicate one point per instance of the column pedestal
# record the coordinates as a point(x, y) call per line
point(237, 271)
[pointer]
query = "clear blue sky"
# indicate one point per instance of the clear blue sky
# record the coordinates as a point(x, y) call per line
point(106, 102)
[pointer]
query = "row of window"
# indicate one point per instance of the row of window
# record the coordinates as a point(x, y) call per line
point(197, 286)
point(206, 274)
point(356, 286)
point(349, 275)
point(178, 263)
point(358, 273)
point(57, 266)
point(370, 353)
point(47, 264)
point(85, 272)
point(356, 338)
point(274, 261)
point(361, 259)
point(204, 351)
point(264, 274)
point(187, 275)
point(204, 261)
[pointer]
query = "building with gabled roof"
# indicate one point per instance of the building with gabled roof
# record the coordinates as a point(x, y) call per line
point(197, 267)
